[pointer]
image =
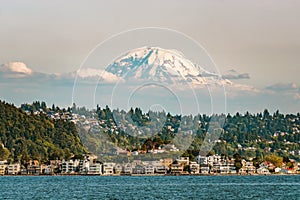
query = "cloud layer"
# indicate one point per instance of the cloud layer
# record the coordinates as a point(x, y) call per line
point(19, 84)
point(234, 75)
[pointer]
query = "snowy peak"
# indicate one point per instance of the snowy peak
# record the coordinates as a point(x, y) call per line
point(157, 64)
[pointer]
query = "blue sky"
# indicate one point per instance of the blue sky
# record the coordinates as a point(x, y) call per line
point(253, 43)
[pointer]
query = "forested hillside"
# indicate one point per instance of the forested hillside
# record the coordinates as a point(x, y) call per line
point(28, 136)
point(34, 135)
point(250, 135)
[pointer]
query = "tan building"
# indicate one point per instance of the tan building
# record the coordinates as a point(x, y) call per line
point(3, 168)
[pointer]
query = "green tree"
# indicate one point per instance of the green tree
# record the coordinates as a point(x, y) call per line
point(4, 153)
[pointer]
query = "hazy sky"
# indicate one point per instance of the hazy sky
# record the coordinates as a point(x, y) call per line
point(257, 38)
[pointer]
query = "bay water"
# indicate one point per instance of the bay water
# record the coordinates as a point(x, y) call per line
point(150, 187)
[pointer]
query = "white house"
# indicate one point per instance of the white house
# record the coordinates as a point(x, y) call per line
point(108, 168)
point(118, 168)
point(204, 169)
point(127, 168)
point(149, 169)
point(69, 166)
point(95, 169)
point(13, 169)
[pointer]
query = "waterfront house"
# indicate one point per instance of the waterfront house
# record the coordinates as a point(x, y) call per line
point(194, 168)
point(139, 169)
point(127, 168)
point(267, 165)
point(161, 169)
point(215, 168)
point(118, 168)
point(247, 168)
point(47, 169)
point(204, 169)
point(224, 169)
point(232, 168)
point(149, 169)
point(263, 170)
point(3, 169)
point(13, 169)
point(23, 171)
point(84, 166)
point(95, 169)
point(183, 160)
point(33, 167)
point(108, 168)
point(176, 168)
point(251, 169)
point(55, 165)
point(69, 166)
point(277, 170)
point(214, 160)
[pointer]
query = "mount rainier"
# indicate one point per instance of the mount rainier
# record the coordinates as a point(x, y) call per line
point(161, 65)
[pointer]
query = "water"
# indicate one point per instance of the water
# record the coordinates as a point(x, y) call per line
point(147, 187)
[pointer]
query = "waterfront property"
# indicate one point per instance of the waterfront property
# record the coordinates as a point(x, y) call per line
point(89, 165)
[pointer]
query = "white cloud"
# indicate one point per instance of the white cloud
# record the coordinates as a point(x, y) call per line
point(92, 73)
point(20, 72)
point(19, 67)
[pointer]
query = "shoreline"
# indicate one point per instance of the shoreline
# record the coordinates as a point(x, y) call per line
point(142, 175)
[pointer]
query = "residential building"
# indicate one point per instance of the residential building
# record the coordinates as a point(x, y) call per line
point(139, 169)
point(69, 166)
point(263, 168)
point(47, 169)
point(201, 160)
point(183, 160)
point(13, 169)
point(176, 168)
point(161, 169)
point(3, 168)
point(84, 166)
point(127, 168)
point(194, 168)
point(149, 169)
point(108, 168)
point(33, 167)
point(204, 169)
point(95, 169)
point(118, 168)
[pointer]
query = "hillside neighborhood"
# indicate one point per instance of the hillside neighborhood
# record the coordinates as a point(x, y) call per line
point(101, 120)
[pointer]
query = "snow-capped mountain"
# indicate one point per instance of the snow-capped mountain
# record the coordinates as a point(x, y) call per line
point(160, 65)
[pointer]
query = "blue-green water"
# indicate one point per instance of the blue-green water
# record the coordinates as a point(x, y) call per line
point(155, 187)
